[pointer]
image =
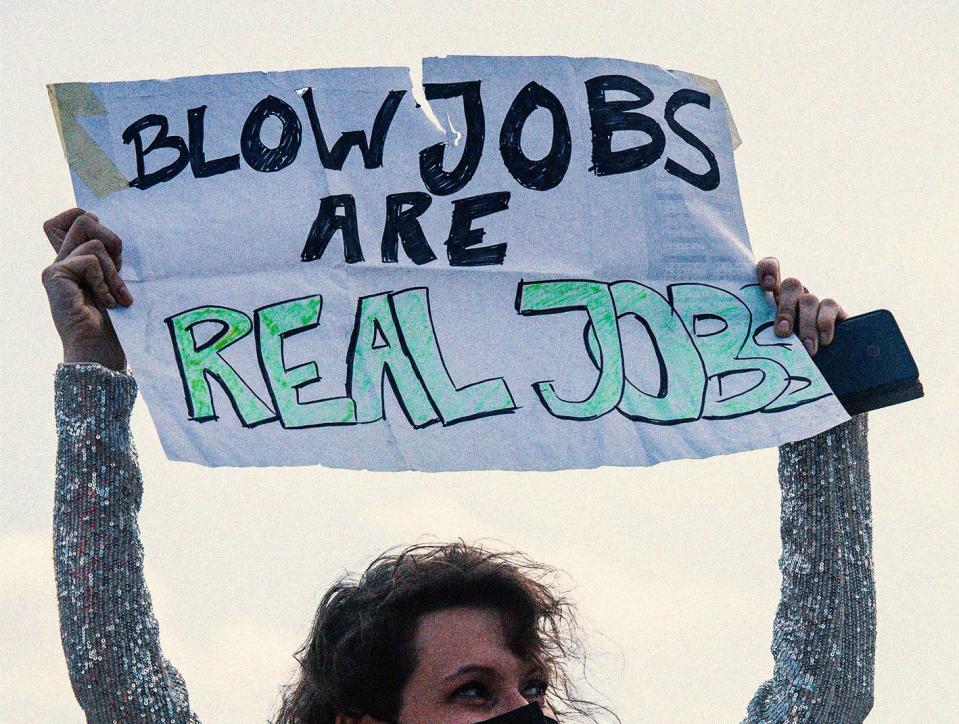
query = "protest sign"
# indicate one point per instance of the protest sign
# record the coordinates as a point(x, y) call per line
point(529, 263)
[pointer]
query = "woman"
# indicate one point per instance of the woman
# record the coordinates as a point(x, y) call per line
point(450, 634)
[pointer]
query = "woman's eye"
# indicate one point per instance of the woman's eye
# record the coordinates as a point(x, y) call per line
point(472, 691)
point(535, 690)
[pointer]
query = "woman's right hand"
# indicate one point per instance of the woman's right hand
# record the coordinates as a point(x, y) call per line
point(81, 283)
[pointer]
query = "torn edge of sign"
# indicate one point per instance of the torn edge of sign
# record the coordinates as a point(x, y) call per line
point(84, 156)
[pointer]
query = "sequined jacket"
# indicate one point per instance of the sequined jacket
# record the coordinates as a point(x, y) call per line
point(823, 635)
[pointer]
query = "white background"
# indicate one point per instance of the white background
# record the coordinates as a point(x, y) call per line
point(848, 175)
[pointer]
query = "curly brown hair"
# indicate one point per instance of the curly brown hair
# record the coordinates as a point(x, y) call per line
point(360, 653)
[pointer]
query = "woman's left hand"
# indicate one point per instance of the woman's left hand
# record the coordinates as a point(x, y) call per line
point(798, 310)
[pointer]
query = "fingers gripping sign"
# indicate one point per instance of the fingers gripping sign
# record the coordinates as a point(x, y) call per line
point(56, 228)
point(797, 309)
point(830, 313)
point(81, 283)
point(768, 272)
point(806, 328)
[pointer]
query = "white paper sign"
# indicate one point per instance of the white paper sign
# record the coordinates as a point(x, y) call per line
point(556, 274)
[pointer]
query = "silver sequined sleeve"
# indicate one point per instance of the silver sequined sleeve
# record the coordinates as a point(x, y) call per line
point(824, 635)
point(823, 638)
point(110, 635)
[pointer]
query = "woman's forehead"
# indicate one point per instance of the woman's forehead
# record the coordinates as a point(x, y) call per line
point(453, 640)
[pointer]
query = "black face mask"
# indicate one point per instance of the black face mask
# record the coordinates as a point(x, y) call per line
point(529, 714)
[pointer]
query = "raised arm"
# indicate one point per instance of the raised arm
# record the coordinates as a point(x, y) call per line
point(824, 634)
point(109, 633)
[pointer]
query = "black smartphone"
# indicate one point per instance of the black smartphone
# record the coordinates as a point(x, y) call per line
point(868, 364)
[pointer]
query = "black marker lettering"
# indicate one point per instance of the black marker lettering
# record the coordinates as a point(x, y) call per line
point(463, 236)
point(133, 133)
point(327, 223)
point(547, 172)
point(438, 181)
point(607, 117)
point(263, 158)
point(402, 212)
point(705, 181)
point(372, 150)
point(201, 167)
